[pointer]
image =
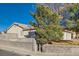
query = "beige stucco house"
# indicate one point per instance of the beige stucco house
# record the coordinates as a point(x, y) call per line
point(21, 29)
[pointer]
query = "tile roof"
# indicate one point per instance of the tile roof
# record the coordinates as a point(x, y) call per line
point(24, 26)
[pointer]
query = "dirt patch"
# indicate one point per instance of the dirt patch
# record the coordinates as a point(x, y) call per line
point(66, 42)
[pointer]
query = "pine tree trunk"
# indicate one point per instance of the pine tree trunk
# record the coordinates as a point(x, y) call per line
point(41, 48)
point(38, 47)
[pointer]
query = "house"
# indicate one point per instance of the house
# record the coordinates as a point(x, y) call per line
point(21, 29)
point(69, 35)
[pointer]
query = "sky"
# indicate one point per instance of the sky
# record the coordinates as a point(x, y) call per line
point(10, 13)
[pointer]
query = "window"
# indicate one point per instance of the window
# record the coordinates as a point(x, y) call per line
point(32, 34)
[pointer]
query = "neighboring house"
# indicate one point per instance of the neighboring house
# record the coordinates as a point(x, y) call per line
point(69, 35)
point(21, 29)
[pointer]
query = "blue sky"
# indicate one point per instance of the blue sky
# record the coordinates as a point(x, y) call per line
point(10, 13)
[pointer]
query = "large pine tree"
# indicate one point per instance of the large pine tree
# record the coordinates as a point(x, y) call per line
point(47, 25)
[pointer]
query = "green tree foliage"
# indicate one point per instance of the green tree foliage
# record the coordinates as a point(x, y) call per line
point(47, 25)
point(73, 15)
point(78, 24)
point(69, 24)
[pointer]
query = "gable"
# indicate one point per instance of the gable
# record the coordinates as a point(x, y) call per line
point(18, 27)
point(14, 29)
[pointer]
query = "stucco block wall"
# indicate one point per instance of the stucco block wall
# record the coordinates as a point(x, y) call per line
point(12, 39)
point(24, 45)
point(8, 36)
point(61, 49)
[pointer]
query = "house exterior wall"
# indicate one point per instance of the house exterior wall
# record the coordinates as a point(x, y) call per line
point(25, 32)
point(19, 31)
point(16, 29)
point(67, 36)
point(74, 35)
